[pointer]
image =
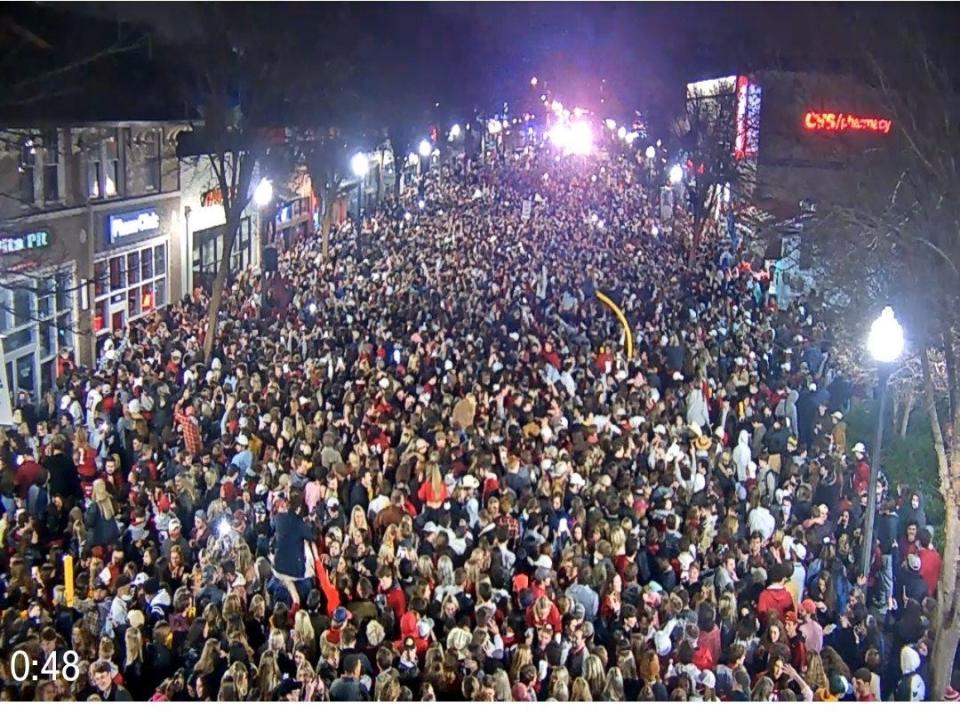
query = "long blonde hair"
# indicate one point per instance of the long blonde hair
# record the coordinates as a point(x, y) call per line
point(134, 645)
point(102, 498)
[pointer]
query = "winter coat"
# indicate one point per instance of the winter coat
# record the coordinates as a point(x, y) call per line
point(697, 410)
point(100, 530)
point(742, 455)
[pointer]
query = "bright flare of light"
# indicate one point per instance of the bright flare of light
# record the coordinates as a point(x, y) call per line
point(455, 131)
point(421, 205)
point(581, 139)
point(533, 81)
point(631, 137)
point(425, 148)
point(263, 193)
point(313, 308)
point(654, 231)
point(359, 164)
point(413, 159)
point(223, 529)
point(651, 152)
point(579, 111)
point(494, 126)
point(885, 341)
point(407, 216)
point(557, 106)
point(622, 133)
point(676, 173)
point(611, 124)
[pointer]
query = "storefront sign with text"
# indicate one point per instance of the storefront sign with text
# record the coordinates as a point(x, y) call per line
point(24, 242)
point(136, 224)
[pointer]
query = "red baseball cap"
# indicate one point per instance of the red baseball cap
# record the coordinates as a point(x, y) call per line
point(809, 606)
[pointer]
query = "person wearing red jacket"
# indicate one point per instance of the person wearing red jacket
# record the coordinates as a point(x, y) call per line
point(930, 562)
point(798, 645)
point(544, 612)
point(861, 471)
point(389, 588)
point(776, 597)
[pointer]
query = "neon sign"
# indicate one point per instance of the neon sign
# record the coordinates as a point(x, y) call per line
point(838, 122)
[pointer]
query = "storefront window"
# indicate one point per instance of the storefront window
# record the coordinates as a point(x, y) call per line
point(144, 290)
point(117, 273)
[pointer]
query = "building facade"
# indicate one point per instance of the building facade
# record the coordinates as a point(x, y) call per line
point(204, 223)
point(89, 239)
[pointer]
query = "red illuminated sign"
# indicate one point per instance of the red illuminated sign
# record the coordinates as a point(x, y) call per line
point(842, 122)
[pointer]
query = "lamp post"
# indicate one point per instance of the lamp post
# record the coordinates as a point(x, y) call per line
point(262, 197)
point(359, 165)
point(884, 343)
point(425, 149)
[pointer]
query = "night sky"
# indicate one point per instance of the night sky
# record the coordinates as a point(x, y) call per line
point(482, 54)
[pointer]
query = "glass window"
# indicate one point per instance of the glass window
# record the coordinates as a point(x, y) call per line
point(64, 289)
point(100, 278)
point(65, 329)
point(93, 177)
point(160, 260)
point(160, 293)
point(28, 160)
point(26, 374)
point(133, 268)
point(101, 316)
point(51, 166)
point(18, 339)
point(47, 370)
point(48, 339)
point(147, 300)
point(146, 263)
point(133, 302)
point(6, 314)
point(117, 320)
point(44, 307)
point(111, 169)
point(22, 306)
point(117, 272)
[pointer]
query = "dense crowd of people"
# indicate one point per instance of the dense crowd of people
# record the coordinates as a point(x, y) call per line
point(425, 469)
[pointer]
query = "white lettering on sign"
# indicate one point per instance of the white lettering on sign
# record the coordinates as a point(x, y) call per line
point(27, 241)
point(124, 227)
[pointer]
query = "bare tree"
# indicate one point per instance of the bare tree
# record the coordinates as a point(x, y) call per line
point(896, 239)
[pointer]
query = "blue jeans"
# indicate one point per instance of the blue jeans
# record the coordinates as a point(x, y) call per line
point(885, 581)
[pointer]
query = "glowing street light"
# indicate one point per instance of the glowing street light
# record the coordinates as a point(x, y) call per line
point(533, 81)
point(425, 148)
point(263, 193)
point(610, 123)
point(676, 174)
point(885, 345)
point(359, 164)
point(621, 133)
point(651, 152)
point(885, 342)
point(494, 126)
point(455, 131)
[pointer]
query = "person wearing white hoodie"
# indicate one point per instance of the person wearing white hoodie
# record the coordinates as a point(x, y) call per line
point(742, 455)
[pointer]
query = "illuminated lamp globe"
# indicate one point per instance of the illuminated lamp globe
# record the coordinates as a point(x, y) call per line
point(455, 131)
point(885, 341)
point(494, 126)
point(611, 124)
point(621, 133)
point(425, 148)
point(676, 174)
point(651, 152)
point(413, 159)
point(263, 193)
point(359, 164)
point(533, 81)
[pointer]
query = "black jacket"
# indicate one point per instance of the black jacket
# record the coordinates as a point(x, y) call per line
point(291, 532)
point(64, 479)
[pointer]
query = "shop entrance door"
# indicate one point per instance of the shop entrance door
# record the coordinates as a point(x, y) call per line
point(22, 373)
point(118, 313)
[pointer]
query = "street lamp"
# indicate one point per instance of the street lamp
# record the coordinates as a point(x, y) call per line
point(622, 133)
point(455, 131)
point(263, 193)
point(676, 174)
point(885, 344)
point(425, 149)
point(262, 196)
point(359, 165)
point(651, 152)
